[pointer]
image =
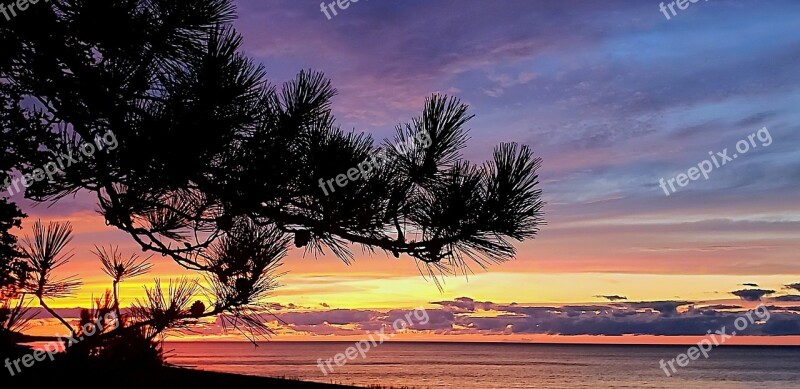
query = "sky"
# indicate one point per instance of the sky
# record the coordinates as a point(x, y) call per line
point(615, 97)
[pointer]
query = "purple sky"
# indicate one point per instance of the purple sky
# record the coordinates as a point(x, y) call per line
point(613, 96)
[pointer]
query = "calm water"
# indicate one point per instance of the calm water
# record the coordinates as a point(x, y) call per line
point(476, 365)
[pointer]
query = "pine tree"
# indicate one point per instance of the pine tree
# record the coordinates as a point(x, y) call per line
point(222, 171)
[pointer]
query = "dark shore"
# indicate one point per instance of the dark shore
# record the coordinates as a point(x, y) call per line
point(180, 377)
point(176, 377)
point(167, 377)
point(122, 375)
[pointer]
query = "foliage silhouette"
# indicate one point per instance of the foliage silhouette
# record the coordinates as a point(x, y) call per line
point(220, 170)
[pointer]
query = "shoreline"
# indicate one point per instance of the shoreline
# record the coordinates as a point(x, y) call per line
point(164, 377)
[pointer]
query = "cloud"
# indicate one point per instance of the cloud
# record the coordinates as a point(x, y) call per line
point(752, 294)
point(666, 308)
point(795, 286)
point(612, 297)
point(501, 82)
point(336, 316)
point(281, 307)
point(467, 316)
point(464, 304)
point(636, 318)
point(788, 297)
point(751, 284)
point(721, 307)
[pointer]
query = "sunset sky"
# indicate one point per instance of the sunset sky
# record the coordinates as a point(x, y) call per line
point(613, 97)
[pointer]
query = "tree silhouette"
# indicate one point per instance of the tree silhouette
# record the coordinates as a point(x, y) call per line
point(107, 338)
point(14, 300)
point(11, 142)
point(219, 169)
point(44, 254)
